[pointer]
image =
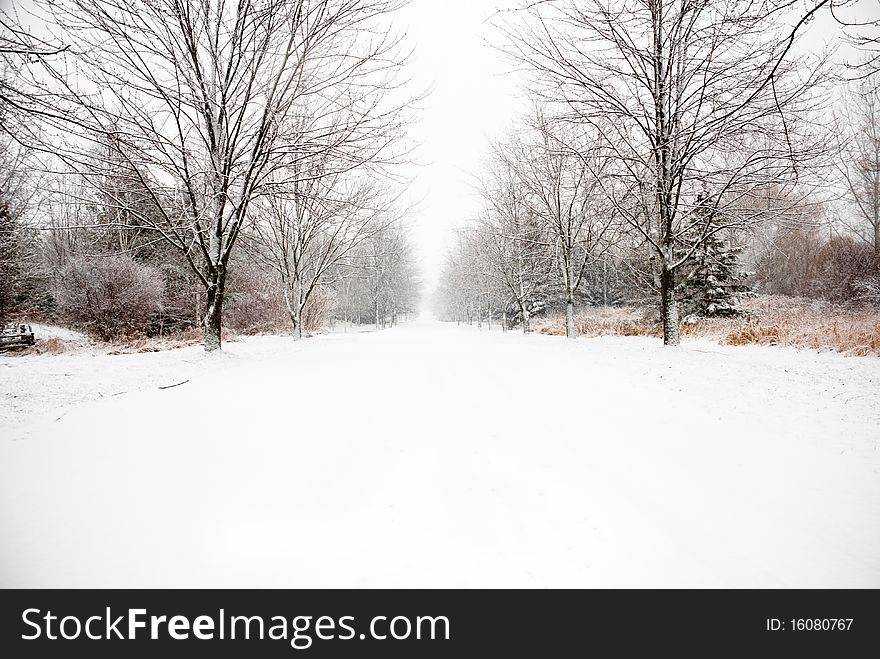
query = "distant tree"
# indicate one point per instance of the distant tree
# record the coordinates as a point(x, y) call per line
point(859, 160)
point(386, 267)
point(843, 265)
point(312, 226)
point(21, 276)
point(10, 259)
point(559, 172)
point(514, 239)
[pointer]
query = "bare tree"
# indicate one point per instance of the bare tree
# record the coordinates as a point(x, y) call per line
point(560, 172)
point(859, 160)
point(311, 232)
point(513, 239)
point(387, 268)
point(469, 283)
point(860, 20)
point(18, 48)
point(206, 98)
point(699, 102)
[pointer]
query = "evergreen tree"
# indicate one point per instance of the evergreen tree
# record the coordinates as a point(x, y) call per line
point(715, 285)
point(8, 260)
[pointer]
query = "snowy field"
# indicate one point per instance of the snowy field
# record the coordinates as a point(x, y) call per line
point(431, 455)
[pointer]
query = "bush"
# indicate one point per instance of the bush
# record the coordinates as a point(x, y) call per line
point(788, 265)
point(319, 309)
point(841, 264)
point(801, 264)
point(868, 289)
point(109, 296)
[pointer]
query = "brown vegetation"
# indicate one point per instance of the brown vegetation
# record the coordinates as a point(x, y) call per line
point(53, 345)
point(767, 320)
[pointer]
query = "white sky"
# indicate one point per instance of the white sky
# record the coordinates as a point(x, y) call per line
point(473, 99)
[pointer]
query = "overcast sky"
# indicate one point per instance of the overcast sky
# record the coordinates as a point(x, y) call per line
point(473, 100)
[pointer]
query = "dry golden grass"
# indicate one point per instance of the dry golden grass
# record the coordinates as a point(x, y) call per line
point(852, 333)
point(767, 320)
point(182, 339)
point(51, 346)
point(602, 321)
point(54, 346)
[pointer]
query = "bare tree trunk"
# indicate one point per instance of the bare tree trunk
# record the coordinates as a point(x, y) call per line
point(297, 310)
point(293, 311)
point(668, 306)
point(504, 320)
point(214, 311)
point(570, 331)
point(525, 318)
point(297, 324)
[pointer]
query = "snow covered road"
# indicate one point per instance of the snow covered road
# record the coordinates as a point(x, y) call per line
point(435, 455)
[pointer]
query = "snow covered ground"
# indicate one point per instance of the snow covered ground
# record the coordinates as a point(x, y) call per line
point(435, 455)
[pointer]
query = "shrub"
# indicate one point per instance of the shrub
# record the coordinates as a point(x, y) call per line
point(868, 290)
point(109, 296)
point(254, 302)
point(319, 309)
point(841, 264)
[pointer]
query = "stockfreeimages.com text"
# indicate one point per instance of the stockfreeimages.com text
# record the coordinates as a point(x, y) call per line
point(300, 631)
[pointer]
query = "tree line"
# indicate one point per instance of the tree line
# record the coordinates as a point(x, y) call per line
point(670, 145)
point(168, 161)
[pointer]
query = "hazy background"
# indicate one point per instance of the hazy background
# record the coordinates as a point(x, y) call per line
point(473, 99)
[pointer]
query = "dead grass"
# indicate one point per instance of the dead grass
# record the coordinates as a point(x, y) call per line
point(51, 346)
point(852, 333)
point(54, 346)
point(600, 321)
point(767, 320)
point(183, 339)
point(123, 346)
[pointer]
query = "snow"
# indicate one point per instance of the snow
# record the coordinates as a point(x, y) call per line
point(431, 455)
point(45, 331)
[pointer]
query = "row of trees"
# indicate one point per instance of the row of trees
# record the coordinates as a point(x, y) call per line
point(229, 149)
point(667, 136)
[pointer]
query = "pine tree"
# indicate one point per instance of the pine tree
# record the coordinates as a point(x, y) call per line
point(715, 285)
point(8, 259)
